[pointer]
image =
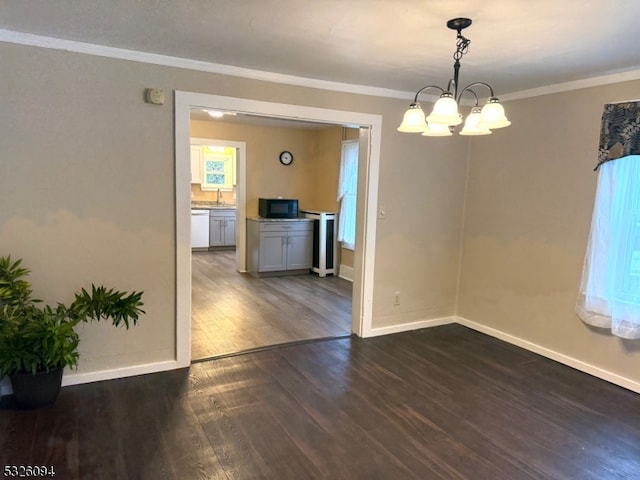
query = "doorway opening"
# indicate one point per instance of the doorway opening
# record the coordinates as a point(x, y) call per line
point(369, 125)
point(232, 311)
point(228, 202)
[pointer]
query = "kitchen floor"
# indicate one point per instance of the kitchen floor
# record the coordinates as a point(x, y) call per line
point(233, 312)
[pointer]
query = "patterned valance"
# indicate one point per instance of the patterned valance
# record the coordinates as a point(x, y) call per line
point(620, 134)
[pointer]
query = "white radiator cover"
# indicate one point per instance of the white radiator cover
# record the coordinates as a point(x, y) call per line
point(325, 244)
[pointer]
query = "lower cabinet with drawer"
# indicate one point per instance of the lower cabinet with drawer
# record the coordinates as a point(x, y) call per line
point(279, 246)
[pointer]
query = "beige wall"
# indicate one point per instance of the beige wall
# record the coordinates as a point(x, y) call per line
point(87, 190)
point(528, 210)
point(228, 197)
point(422, 185)
point(328, 168)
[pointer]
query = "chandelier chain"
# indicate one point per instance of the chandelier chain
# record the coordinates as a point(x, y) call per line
point(462, 47)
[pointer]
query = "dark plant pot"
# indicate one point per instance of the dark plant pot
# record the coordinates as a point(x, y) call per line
point(35, 391)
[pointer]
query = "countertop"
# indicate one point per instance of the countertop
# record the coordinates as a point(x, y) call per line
point(262, 219)
point(203, 205)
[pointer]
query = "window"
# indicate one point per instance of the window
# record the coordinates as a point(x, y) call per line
point(610, 288)
point(348, 193)
point(218, 168)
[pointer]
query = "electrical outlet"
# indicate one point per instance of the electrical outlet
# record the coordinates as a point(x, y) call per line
point(396, 299)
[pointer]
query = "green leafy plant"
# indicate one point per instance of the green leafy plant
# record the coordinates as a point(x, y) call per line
point(35, 338)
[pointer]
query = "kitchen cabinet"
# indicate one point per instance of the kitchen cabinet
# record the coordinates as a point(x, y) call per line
point(283, 246)
point(196, 164)
point(199, 229)
point(222, 227)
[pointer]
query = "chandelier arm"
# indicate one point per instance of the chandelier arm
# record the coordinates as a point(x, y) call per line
point(415, 99)
point(474, 84)
point(452, 86)
point(467, 89)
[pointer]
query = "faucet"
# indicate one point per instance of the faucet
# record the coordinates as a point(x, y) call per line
point(218, 195)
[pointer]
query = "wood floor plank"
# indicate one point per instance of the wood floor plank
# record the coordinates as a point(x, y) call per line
point(56, 438)
point(223, 405)
point(334, 422)
point(98, 446)
point(470, 409)
point(233, 312)
point(439, 404)
point(16, 424)
point(396, 423)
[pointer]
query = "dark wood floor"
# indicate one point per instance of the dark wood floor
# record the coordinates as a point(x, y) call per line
point(233, 312)
point(443, 403)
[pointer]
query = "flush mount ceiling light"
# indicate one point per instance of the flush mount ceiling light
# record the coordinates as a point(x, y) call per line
point(217, 113)
point(445, 117)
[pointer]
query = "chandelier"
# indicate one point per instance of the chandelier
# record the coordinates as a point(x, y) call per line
point(445, 117)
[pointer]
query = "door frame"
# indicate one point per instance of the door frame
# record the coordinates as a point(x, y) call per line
point(241, 197)
point(368, 173)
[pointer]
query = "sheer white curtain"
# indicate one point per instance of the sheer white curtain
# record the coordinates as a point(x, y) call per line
point(610, 287)
point(348, 193)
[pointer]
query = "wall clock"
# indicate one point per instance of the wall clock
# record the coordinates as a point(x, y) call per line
point(286, 158)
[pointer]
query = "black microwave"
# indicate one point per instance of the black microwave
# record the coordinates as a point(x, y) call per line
point(278, 208)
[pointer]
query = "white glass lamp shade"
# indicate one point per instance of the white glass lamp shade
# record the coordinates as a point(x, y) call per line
point(492, 115)
point(435, 130)
point(471, 126)
point(413, 120)
point(445, 111)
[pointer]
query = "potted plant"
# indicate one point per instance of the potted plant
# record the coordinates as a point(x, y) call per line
point(38, 341)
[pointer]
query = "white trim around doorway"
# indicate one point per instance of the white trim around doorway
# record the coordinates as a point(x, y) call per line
point(184, 101)
point(241, 197)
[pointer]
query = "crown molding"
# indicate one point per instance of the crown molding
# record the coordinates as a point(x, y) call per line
point(598, 81)
point(28, 39)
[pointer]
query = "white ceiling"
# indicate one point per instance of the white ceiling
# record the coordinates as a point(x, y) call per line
point(395, 44)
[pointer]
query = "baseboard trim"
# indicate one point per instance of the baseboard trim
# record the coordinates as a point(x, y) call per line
point(406, 327)
point(78, 378)
point(553, 355)
point(346, 272)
